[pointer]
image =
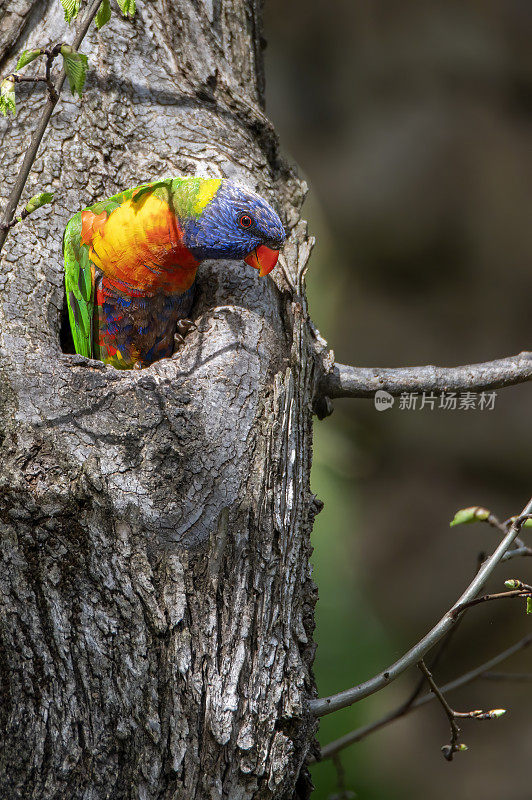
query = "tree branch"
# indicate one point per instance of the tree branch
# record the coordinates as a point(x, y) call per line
point(523, 591)
point(326, 705)
point(347, 381)
point(517, 551)
point(31, 152)
point(519, 548)
point(509, 677)
point(482, 671)
point(453, 747)
point(49, 85)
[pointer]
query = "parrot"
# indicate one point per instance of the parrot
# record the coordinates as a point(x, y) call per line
point(131, 262)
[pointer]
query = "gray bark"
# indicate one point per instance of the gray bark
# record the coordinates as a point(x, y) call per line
point(156, 608)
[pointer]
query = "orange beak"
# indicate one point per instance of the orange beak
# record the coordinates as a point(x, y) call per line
point(262, 258)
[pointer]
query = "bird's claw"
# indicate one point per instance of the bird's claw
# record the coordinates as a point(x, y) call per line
point(185, 325)
point(182, 328)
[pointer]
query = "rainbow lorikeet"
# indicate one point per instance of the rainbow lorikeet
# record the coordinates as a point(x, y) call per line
point(131, 261)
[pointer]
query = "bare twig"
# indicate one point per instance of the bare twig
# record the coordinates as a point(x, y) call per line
point(26, 79)
point(519, 548)
point(507, 677)
point(439, 653)
point(36, 79)
point(522, 591)
point(343, 793)
point(517, 551)
point(326, 705)
point(347, 381)
point(452, 715)
point(482, 671)
point(31, 152)
point(450, 749)
point(495, 522)
point(23, 214)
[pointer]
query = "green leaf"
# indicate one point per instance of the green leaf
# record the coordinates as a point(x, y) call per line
point(39, 200)
point(103, 15)
point(127, 7)
point(75, 67)
point(7, 96)
point(471, 514)
point(512, 583)
point(27, 56)
point(529, 605)
point(71, 9)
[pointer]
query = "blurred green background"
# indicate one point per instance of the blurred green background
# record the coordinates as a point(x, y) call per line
point(412, 123)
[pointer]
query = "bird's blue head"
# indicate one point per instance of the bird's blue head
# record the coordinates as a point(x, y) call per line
point(236, 223)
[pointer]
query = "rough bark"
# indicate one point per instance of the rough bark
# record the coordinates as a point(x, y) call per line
point(156, 608)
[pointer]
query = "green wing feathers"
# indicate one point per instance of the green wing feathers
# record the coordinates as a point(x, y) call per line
point(79, 270)
point(79, 287)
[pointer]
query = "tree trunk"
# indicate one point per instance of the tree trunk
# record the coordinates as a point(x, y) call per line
point(156, 599)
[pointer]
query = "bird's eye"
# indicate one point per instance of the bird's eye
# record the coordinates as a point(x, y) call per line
point(245, 221)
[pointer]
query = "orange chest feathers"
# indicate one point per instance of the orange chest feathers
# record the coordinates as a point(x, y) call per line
point(139, 246)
